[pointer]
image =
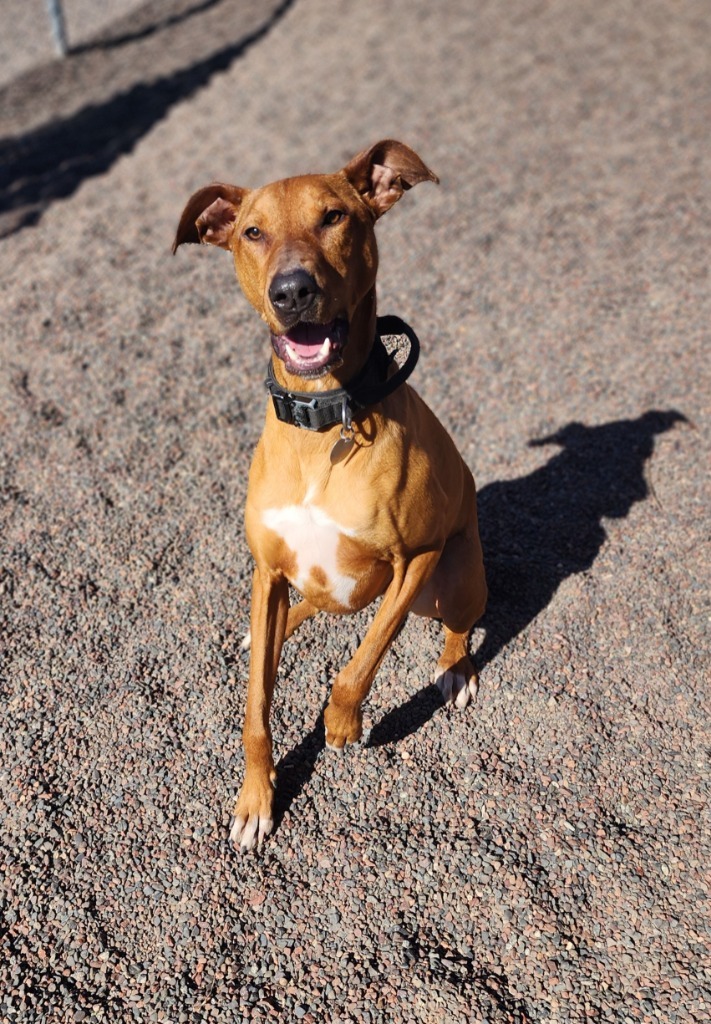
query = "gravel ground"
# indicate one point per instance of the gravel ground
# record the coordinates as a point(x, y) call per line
point(541, 857)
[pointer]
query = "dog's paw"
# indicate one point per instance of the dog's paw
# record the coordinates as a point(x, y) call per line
point(246, 641)
point(253, 819)
point(458, 683)
point(343, 725)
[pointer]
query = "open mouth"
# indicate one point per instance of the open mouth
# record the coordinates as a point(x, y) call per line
point(309, 350)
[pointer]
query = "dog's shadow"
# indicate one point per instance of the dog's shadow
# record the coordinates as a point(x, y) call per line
point(536, 531)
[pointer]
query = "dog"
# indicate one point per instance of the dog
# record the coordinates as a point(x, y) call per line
point(356, 491)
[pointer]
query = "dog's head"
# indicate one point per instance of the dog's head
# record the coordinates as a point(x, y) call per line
point(305, 251)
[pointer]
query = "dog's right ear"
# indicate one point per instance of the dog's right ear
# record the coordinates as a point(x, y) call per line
point(209, 215)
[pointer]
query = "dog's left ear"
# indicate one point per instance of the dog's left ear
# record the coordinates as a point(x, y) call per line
point(382, 173)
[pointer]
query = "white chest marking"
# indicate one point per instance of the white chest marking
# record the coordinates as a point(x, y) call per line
point(314, 538)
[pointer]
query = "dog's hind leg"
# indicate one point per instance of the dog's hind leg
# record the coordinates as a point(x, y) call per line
point(299, 613)
point(456, 593)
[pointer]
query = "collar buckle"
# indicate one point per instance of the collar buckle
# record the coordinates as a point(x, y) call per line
point(293, 410)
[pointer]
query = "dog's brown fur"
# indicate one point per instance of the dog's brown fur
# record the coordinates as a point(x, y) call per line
point(397, 517)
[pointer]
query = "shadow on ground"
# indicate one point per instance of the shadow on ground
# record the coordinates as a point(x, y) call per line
point(540, 529)
point(296, 768)
point(536, 531)
point(50, 162)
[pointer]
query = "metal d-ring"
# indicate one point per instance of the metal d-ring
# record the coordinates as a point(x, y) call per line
point(344, 444)
point(347, 421)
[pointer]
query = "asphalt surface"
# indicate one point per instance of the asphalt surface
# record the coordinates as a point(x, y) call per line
point(542, 856)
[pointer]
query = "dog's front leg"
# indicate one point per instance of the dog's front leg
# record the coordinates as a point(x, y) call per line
point(253, 810)
point(343, 717)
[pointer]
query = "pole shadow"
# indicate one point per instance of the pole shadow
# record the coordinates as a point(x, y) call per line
point(50, 162)
point(539, 529)
point(153, 17)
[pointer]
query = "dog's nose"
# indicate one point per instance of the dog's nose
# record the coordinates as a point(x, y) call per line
point(293, 291)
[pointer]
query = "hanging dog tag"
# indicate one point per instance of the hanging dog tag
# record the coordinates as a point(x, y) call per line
point(341, 449)
point(344, 444)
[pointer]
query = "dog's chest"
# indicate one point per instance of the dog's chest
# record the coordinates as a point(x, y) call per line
point(314, 540)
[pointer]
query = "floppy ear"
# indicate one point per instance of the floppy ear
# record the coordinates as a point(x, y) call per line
point(209, 215)
point(382, 173)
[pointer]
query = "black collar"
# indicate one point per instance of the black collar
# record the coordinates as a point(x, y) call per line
point(316, 410)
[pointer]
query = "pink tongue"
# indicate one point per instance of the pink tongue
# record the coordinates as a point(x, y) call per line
point(304, 338)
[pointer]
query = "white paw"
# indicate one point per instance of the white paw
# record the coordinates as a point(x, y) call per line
point(247, 642)
point(248, 833)
point(456, 687)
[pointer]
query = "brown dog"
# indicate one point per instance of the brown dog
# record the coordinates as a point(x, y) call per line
point(356, 490)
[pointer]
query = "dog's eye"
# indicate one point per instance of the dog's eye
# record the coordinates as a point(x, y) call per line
point(333, 217)
point(253, 234)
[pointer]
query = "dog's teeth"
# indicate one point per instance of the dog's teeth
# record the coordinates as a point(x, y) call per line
point(321, 354)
